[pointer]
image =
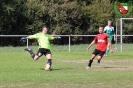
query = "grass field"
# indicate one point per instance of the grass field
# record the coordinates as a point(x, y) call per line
point(18, 70)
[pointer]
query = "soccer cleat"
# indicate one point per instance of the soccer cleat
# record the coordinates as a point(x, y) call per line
point(88, 67)
point(27, 49)
point(98, 63)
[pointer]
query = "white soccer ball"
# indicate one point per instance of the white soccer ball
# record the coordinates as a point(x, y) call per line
point(47, 67)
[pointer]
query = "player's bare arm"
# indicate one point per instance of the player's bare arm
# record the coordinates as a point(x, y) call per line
point(93, 42)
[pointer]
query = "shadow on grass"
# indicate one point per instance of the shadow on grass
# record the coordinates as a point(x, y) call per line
point(113, 67)
point(49, 70)
point(56, 69)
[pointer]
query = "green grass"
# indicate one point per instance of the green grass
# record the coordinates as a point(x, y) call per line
point(18, 70)
point(64, 48)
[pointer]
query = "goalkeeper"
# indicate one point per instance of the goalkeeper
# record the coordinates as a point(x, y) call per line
point(110, 31)
point(44, 45)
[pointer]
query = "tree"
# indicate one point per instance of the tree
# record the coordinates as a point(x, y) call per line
point(98, 12)
point(63, 16)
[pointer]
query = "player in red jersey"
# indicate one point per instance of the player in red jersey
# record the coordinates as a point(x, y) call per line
point(101, 39)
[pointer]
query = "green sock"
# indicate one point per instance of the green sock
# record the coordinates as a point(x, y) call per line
point(107, 51)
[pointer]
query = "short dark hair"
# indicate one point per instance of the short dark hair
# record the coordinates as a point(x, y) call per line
point(44, 27)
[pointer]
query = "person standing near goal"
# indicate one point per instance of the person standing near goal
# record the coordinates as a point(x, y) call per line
point(44, 45)
point(101, 39)
point(110, 31)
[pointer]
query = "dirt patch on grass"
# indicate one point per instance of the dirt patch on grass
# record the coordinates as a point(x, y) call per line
point(102, 61)
point(111, 65)
point(15, 85)
point(73, 61)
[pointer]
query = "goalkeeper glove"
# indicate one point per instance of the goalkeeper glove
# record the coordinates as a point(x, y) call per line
point(58, 37)
point(23, 38)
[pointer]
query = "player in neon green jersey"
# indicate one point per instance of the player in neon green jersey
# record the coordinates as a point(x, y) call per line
point(44, 45)
point(110, 31)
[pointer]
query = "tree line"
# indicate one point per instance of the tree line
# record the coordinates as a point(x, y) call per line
point(26, 17)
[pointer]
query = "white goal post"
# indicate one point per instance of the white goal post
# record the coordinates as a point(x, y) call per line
point(119, 30)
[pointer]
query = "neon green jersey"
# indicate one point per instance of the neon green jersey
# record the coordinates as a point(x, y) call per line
point(43, 39)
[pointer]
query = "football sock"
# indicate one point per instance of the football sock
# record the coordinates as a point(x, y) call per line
point(107, 51)
point(98, 61)
point(49, 62)
point(32, 54)
point(90, 62)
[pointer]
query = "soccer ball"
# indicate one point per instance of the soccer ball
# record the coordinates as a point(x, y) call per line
point(47, 67)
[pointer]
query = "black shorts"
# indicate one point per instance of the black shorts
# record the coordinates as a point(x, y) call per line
point(43, 51)
point(98, 52)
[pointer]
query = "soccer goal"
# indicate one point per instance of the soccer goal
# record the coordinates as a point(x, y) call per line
point(124, 34)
